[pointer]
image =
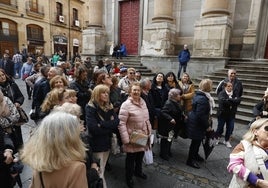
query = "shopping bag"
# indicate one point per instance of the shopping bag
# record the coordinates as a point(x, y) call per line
point(148, 157)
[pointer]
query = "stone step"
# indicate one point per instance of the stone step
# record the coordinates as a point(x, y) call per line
point(254, 77)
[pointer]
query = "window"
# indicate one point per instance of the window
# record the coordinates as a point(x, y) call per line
point(33, 5)
point(5, 2)
point(75, 14)
point(34, 32)
point(59, 9)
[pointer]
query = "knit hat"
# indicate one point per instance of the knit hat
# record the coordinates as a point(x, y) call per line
point(266, 93)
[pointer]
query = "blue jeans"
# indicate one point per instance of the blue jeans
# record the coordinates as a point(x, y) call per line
point(229, 127)
point(181, 67)
point(17, 68)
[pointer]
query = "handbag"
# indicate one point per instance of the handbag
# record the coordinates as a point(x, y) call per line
point(138, 138)
point(23, 117)
point(24, 76)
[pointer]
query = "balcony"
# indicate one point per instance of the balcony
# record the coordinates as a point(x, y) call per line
point(9, 5)
point(34, 9)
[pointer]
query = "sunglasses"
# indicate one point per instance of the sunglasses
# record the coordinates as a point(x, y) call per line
point(132, 73)
point(266, 128)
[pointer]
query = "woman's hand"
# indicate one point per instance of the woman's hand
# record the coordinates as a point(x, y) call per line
point(173, 121)
point(262, 183)
point(17, 104)
point(8, 155)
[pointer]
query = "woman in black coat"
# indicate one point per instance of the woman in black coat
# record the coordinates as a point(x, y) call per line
point(170, 122)
point(198, 121)
point(11, 90)
point(228, 103)
point(81, 86)
point(101, 121)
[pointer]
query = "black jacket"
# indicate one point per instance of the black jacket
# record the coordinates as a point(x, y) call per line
point(198, 119)
point(171, 110)
point(100, 127)
point(11, 90)
point(227, 106)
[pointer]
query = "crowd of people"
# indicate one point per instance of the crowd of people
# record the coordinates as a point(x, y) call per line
point(78, 108)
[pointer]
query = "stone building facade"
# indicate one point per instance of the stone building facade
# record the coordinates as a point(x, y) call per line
point(156, 30)
point(41, 27)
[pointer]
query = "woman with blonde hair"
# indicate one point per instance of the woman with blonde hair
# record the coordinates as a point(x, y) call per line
point(54, 98)
point(56, 153)
point(101, 121)
point(70, 96)
point(248, 159)
point(198, 121)
point(58, 81)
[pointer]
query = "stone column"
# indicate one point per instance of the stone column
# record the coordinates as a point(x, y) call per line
point(163, 11)
point(249, 36)
point(212, 31)
point(216, 8)
point(94, 36)
point(95, 13)
point(159, 36)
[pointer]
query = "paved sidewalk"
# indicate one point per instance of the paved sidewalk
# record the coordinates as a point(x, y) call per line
point(163, 174)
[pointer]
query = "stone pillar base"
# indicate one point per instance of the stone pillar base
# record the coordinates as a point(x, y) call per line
point(249, 39)
point(94, 40)
point(211, 37)
point(158, 39)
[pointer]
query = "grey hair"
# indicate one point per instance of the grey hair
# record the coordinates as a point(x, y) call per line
point(143, 82)
point(174, 92)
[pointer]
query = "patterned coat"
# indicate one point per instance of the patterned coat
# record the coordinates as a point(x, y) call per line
point(133, 116)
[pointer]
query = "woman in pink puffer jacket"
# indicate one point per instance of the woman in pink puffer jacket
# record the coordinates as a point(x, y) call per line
point(134, 115)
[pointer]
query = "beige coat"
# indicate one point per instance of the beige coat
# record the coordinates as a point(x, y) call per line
point(133, 116)
point(187, 96)
point(72, 176)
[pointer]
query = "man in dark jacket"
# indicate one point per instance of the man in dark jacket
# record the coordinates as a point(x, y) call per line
point(237, 84)
point(183, 57)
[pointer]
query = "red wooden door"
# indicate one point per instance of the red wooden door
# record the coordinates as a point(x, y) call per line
point(129, 25)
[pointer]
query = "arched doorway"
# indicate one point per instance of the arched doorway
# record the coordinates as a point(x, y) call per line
point(8, 36)
point(129, 25)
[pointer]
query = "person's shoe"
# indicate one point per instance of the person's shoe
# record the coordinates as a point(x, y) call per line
point(228, 144)
point(130, 183)
point(193, 164)
point(199, 158)
point(165, 157)
point(141, 175)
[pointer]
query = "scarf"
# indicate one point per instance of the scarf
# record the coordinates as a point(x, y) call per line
point(230, 94)
point(211, 101)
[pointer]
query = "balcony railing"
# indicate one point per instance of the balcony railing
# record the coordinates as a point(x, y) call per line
point(34, 9)
point(11, 5)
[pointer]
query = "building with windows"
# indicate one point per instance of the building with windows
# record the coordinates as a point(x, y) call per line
point(41, 27)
